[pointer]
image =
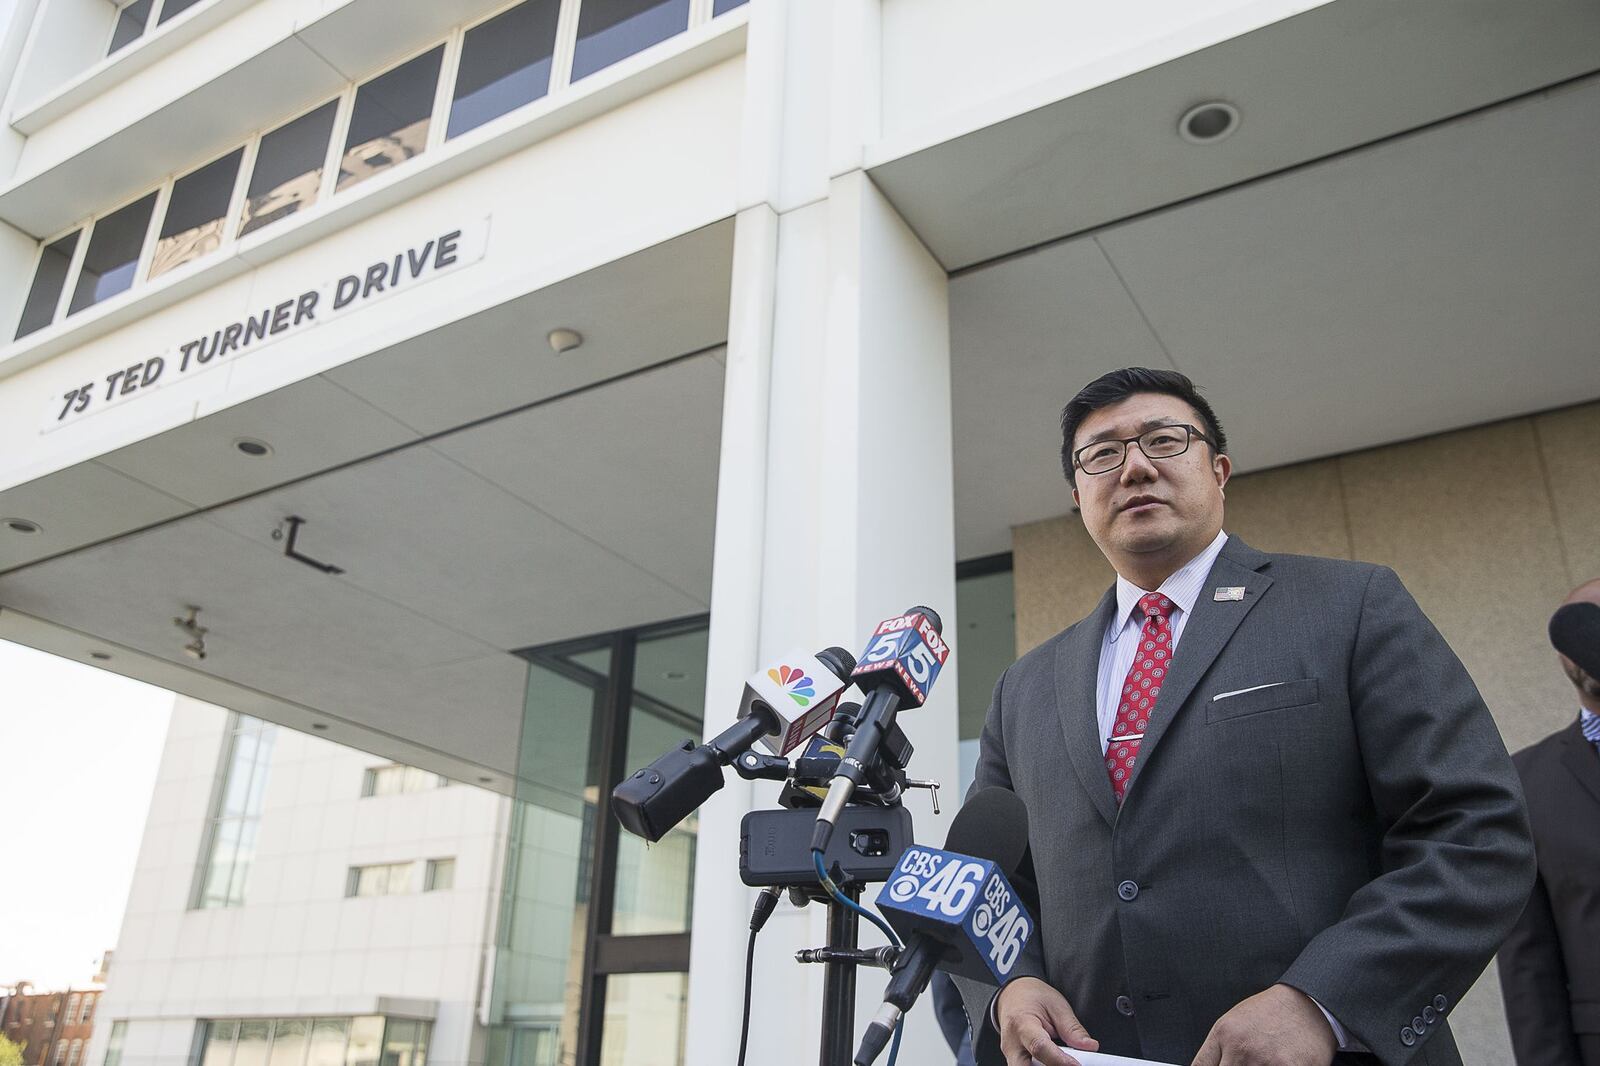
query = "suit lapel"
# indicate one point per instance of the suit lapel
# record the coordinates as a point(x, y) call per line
point(1579, 757)
point(1077, 674)
point(1205, 634)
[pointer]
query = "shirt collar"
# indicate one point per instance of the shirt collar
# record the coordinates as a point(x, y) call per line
point(1182, 587)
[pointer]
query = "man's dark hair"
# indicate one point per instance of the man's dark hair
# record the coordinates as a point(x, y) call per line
point(1117, 386)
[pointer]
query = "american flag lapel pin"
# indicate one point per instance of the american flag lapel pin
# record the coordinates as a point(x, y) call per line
point(1233, 592)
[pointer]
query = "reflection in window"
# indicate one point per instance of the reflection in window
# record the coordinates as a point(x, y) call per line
point(611, 30)
point(395, 778)
point(48, 281)
point(288, 170)
point(724, 6)
point(218, 1046)
point(985, 605)
point(366, 1039)
point(236, 814)
point(390, 122)
point(130, 24)
point(505, 63)
point(196, 214)
point(113, 254)
point(173, 8)
point(386, 879)
point(119, 1030)
point(328, 1038)
point(644, 1018)
point(441, 875)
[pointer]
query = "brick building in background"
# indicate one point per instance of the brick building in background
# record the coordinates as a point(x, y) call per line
point(52, 1027)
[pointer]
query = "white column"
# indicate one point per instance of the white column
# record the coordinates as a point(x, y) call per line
point(834, 504)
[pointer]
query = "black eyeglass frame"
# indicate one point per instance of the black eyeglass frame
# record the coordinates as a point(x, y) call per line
point(1191, 432)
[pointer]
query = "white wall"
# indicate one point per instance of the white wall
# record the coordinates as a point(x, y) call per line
point(297, 946)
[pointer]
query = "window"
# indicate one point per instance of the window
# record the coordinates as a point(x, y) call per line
point(505, 63)
point(389, 123)
point(288, 170)
point(113, 255)
point(60, 1053)
point(388, 879)
point(395, 778)
point(130, 24)
point(119, 1029)
point(72, 1007)
point(441, 875)
point(613, 30)
point(48, 281)
point(196, 214)
point(173, 8)
point(236, 813)
point(984, 604)
point(89, 1000)
point(75, 1053)
point(722, 7)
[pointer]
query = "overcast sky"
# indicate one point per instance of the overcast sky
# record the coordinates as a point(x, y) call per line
point(79, 749)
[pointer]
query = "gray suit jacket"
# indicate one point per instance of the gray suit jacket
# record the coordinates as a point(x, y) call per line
point(1355, 829)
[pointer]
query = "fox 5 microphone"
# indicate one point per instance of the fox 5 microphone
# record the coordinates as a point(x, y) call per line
point(954, 908)
point(782, 706)
point(1575, 632)
point(898, 668)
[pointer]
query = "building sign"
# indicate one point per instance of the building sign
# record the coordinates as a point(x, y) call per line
point(296, 312)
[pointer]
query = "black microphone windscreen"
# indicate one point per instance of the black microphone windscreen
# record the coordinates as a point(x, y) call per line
point(1575, 632)
point(838, 660)
point(931, 615)
point(993, 825)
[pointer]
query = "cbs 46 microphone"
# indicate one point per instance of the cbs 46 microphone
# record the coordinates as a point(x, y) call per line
point(902, 660)
point(954, 908)
point(782, 706)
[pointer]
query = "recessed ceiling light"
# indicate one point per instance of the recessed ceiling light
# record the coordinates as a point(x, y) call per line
point(486, 780)
point(22, 525)
point(1209, 122)
point(255, 449)
point(319, 726)
point(674, 675)
point(100, 656)
point(564, 340)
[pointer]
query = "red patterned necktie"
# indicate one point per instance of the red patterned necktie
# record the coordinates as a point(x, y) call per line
point(1139, 691)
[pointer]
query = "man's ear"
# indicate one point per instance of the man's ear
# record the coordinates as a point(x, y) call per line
point(1075, 502)
point(1222, 467)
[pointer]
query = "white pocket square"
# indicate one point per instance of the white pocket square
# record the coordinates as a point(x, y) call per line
point(1242, 691)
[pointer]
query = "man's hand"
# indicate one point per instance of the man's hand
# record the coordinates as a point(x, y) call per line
point(1032, 1017)
point(1279, 1027)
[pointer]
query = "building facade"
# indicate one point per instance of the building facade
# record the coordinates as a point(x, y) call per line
point(494, 386)
point(54, 1028)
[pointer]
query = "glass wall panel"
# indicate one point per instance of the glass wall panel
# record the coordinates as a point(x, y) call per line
point(366, 1040)
point(119, 1030)
point(173, 8)
point(289, 1039)
point(539, 978)
point(612, 30)
point(644, 1017)
point(130, 24)
point(197, 212)
point(655, 882)
point(390, 122)
point(48, 280)
point(113, 255)
point(399, 1042)
point(252, 1047)
point(288, 170)
point(505, 63)
point(328, 1038)
point(218, 1047)
point(985, 607)
point(723, 6)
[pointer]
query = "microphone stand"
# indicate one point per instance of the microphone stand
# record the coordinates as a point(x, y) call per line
point(839, 982)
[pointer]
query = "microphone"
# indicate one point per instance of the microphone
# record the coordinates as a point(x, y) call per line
point(780, 702)
point(898, 668)
point(954, 908)
point(1575, 632)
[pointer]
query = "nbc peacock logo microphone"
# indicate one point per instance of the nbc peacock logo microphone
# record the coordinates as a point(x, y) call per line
point(795, 683)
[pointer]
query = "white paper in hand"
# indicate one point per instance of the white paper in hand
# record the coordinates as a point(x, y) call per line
point(1094, 1058)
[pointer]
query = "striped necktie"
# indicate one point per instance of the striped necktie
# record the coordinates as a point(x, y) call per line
point(1589, 722)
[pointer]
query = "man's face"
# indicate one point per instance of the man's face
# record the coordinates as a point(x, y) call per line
point(1168, 506)
point(1588, 687)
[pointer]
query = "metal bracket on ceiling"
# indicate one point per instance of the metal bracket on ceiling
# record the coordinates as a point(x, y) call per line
point(295, 522)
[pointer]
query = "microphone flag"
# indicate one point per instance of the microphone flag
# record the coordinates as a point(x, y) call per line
point(801, 691)
point(965, 903)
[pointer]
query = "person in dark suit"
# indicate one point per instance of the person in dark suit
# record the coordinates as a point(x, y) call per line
point(1270, 817)
point(1550, 964)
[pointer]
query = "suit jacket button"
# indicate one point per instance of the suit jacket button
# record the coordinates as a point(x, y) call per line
point(1127, 890)
point(1408, 1036)
point(1418, 1024)
point(1439, 1003)
point(1125, 1006)
point(1429, 1015)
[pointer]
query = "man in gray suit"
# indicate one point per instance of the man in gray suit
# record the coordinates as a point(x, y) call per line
point(1270, 818)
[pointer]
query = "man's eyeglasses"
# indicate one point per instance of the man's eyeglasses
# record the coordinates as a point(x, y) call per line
point(1163, 442)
